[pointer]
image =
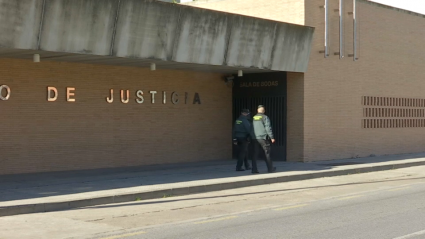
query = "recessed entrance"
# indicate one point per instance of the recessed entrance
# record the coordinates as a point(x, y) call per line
point(268, 89)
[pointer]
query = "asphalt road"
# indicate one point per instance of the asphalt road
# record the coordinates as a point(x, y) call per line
point(397, 212)
point(380, 205)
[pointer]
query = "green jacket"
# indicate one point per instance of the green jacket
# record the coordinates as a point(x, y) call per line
point(261, 127)
point(242, 128)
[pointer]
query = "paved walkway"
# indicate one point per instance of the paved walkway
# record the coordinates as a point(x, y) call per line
point(65, 190)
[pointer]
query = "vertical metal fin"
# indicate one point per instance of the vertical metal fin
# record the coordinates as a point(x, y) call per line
point(326, 28)
point(341, 29)
point(355, 30)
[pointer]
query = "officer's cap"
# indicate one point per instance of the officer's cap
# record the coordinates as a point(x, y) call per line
point(260, 106)
point(245, 111)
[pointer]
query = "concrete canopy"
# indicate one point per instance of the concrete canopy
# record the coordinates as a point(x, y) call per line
point(140, 32)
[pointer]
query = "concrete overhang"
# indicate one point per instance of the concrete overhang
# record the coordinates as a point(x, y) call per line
point(140, 32)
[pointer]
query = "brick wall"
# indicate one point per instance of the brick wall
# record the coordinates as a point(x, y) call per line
point(279, 10)
point(391, 57)
point(39, 136)
point(295, 117)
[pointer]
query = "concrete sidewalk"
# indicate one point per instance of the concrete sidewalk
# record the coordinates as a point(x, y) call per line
point(46, 192)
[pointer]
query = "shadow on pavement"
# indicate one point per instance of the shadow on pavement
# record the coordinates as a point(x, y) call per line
point(40, 185)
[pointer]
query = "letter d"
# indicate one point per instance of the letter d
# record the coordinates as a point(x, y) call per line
point(51, 89)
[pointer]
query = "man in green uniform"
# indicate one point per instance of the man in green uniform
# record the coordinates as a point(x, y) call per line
point(241, 134)
point(262, 135)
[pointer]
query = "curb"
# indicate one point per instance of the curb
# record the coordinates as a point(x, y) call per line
point(131, 197)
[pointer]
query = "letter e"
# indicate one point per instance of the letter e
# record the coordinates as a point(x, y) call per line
point(70, 94)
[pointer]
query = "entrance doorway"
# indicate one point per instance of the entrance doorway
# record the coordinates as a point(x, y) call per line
point(268, 89)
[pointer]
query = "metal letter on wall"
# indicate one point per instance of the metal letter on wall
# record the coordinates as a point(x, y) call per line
point(175, 98)
point(326, 28)
point(355, 30)
point(51, 89)
point(341, 29)
point(125, 101)
point(164, 97)
point(196, 99)
point(70, 94)
point(110, 99)
point(139, 95)
point(7, 88)
point(153, 92)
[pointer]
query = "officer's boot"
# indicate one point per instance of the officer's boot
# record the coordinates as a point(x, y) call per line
point(247, 165)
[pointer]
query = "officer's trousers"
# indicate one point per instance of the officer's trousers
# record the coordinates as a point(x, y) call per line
point(262, 145)
point(243, 153)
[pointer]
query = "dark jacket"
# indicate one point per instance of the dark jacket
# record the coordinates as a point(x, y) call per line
point(241, 128)
point(261, 127)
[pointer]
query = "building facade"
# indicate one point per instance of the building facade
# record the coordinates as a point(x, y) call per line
point(90, 84)
point(150, 82)
point(346, 107)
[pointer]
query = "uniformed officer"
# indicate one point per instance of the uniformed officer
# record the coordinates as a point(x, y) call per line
point(250, 152)
point(262, 135)
point(241, 135)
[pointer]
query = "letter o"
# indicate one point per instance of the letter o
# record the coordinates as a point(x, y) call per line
point(7, 88)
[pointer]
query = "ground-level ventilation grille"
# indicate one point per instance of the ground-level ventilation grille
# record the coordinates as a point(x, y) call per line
point(393, 123)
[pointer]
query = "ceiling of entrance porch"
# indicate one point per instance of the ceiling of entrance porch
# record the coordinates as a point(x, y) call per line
point(120, 61)
point(140, 32)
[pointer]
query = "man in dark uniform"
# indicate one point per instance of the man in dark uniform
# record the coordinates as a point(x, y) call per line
point(241, 135)
point(262, 135)
point(250, 152)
